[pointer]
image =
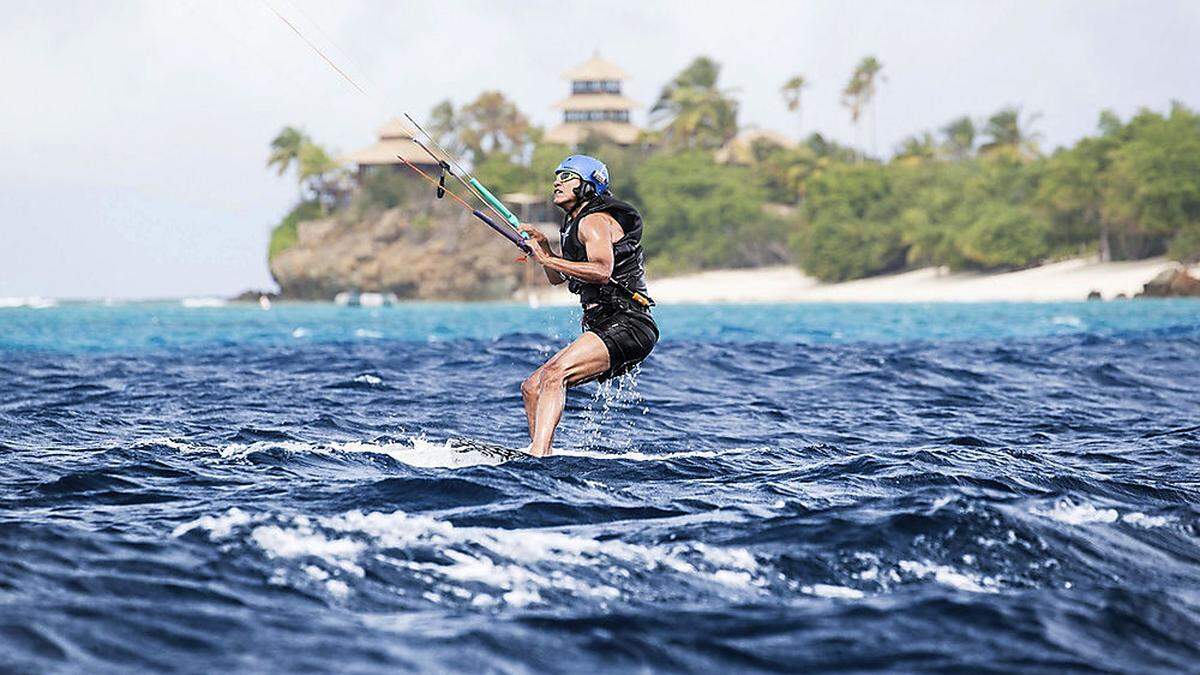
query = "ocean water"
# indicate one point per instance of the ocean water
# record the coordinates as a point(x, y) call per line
point(993, 487)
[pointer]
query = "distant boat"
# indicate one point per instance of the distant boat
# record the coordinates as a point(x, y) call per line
point(356, 299)
point(264, 302)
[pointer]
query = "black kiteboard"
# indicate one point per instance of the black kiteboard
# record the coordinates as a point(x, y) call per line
point(487, 449)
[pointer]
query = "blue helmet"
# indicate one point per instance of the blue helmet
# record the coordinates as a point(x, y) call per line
point(591, 170)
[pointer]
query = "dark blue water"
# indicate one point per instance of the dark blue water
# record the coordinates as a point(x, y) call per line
point(817, 487)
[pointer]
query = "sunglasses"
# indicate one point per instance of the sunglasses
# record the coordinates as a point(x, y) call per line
point(566, 176)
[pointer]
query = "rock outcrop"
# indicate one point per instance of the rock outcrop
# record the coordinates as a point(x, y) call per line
point(439, 254)
point(1172, 283)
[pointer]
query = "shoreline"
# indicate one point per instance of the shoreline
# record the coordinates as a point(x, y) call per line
point(1064, 281)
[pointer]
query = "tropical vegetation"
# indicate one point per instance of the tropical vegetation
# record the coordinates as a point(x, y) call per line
point(974, 194)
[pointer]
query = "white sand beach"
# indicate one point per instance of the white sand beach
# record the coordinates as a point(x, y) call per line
point(1061, 281)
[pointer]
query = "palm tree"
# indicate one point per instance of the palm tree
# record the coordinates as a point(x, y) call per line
point(917, 149)
point(317, 170)
point(694, 111)
point(1008, 133)
point(285, 149)
point(791, 97)
point(960, 137)
point(492, 123)
point(859, 93)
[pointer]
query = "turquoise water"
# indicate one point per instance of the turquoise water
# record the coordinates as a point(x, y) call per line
point(137, 326)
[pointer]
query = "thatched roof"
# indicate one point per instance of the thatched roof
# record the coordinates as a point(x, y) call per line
point(573, 133)
point(385, 151)
point(395, 138)
point(597, 102)
point(596, 68)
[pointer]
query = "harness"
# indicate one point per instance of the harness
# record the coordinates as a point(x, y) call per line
point(627, 284)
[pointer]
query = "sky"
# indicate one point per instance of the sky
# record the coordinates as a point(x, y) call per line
point(133, 135)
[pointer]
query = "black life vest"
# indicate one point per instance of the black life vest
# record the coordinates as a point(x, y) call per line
point(629, 261)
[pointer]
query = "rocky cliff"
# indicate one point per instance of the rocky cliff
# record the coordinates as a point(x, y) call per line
point(438, 254)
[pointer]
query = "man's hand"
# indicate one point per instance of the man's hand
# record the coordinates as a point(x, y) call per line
point(533, 233)
point(538, 243)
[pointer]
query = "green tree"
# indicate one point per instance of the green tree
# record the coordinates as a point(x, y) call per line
point(1185, 245)
point(285, 150)
point(492, 123)
point(702, 214)
point(791, 91)
point(916, 149)
point(850, 224)
point(1072, 190)
point(695, 112)
point(959, 135)
point(998, 193)
point(285, 234)
point(785, 171)
point(445, 127)
point(1004, 236)
point(321, 174)
point(1008, 133)
point(859, 93)
point(1152, 186)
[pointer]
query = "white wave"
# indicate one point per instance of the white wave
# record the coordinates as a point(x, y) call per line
point(635, 455)
point(830, 591)
point(948, 576)
point(369, 379)
point(1142, 520)
point(30, 302)
point(292, 543)
point(418, 451)
point(171, 443)
point(368, 334)
point(218, 527)
point(1066, 511)
point(483, 566)
point(300, 333)
point(202, 303)
point(1067, 320)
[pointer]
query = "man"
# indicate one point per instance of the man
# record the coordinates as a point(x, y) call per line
point(602, 261)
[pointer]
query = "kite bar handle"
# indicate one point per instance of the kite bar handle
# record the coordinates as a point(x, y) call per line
point(508, 233)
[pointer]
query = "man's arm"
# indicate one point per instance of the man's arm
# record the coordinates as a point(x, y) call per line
point(542, 244)
point(596, 234)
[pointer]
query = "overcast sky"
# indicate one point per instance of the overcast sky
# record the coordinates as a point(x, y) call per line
point(133, 135)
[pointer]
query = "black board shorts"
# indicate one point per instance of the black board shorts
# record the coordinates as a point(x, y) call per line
point(629, 334)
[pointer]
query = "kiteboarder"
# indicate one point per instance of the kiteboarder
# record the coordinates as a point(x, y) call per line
point(603, 263)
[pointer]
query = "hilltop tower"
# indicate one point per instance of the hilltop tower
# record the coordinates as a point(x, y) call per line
point(595, 106)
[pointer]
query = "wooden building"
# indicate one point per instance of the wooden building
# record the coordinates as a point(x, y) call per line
point(394, 139)
point(595, 106)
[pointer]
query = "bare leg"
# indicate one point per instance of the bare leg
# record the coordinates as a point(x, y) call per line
point(529, 393)
point(580, 361)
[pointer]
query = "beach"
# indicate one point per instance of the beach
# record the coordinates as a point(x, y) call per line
point(1064, 281)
